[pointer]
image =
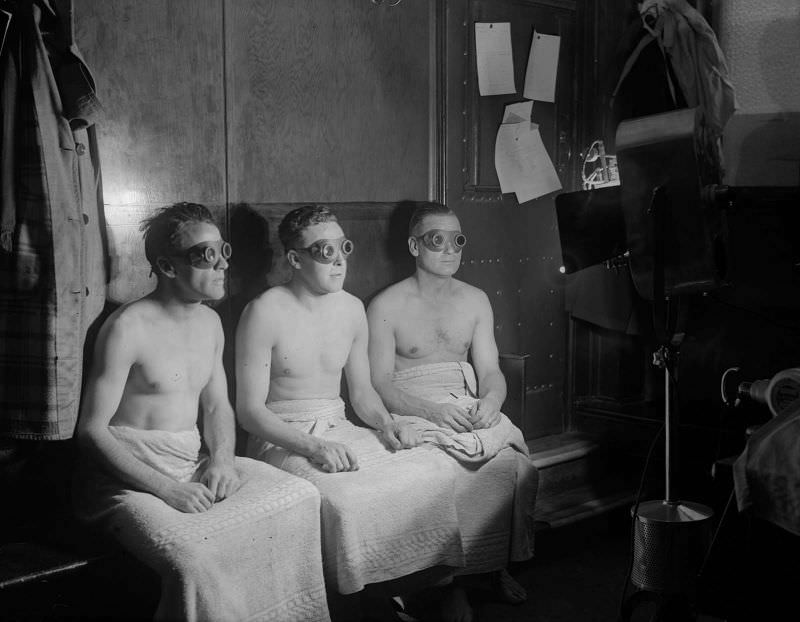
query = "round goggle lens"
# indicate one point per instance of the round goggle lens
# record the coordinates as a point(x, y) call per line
point(460, 240)
point(347, 247)
point(210, 253)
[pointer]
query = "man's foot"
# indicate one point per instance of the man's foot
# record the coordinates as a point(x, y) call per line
point(455, 606)
point(509, 590)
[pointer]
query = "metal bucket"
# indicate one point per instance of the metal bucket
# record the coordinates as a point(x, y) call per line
point(670, 543)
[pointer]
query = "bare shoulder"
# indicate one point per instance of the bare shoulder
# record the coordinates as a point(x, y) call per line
point(391, 298)
point(131, 317)
point(270, 303)
point(128, 326)
point(470, 292)
point(210, 319)
point(351, 304)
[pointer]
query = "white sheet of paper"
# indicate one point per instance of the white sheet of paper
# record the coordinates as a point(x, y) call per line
point(494, 58)
point(518, 112)
point(522, 163)
point(540, 74)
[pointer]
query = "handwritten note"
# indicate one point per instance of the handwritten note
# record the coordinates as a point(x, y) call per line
point(494, 58)
point(521, 160)
point(540, 74)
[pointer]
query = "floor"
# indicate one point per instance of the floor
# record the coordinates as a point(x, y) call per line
point(577, 575)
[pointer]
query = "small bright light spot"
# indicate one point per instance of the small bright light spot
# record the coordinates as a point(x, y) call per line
point(562, 270)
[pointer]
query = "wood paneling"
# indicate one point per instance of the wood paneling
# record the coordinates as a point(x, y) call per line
point(327, 102)
point(158, 68)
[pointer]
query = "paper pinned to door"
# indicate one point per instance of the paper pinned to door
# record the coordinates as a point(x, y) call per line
point(494, 58)
point(519, 112)
point(540, 74)
point(521, 160)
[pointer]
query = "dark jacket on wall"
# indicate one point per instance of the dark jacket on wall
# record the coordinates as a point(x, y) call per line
point(52, 229)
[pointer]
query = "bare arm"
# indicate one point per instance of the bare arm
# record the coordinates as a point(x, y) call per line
point(491, 382)
point(382, 346)
point(219, 428)
point(365, 400)
point(255, 339)
point(115, 353)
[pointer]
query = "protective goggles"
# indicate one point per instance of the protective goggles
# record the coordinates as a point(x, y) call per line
point(206, 255)
point(437, 240)
point(325, 251)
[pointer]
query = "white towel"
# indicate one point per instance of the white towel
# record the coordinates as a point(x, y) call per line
point(253, 556)
point(394, 516)
point(497, 482)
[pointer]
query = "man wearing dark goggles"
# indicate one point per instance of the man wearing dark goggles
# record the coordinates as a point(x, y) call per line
point(158, 367)
point(326, 251)
point(293, 343)
point(423, 332)
point(438, 240)
point(206, 255)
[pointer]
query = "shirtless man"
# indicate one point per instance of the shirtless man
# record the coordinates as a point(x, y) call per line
point(422, 332)
point(385, 513)
point(158, 360)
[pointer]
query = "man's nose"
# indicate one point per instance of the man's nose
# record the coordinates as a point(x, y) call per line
point(222, 264)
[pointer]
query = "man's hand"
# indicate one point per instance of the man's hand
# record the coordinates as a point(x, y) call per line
point(451, 416)
point(334, 457)
point(188, 496)
point(487, 414)
point(401, 435)
point(221, 479)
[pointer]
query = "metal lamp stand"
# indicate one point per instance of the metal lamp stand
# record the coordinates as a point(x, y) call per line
point(670, 536)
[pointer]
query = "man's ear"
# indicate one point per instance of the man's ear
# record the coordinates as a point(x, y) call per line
point(293, 259)
point(413, 246)
point(166, 267)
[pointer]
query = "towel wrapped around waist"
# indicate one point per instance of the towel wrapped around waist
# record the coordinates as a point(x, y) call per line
point(394, 516)
point(497, 482)
point(254, 555)
point(455, 383)
point(174, 454)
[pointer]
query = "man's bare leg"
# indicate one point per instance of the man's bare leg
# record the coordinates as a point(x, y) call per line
point(455, 605)
point(509, 589)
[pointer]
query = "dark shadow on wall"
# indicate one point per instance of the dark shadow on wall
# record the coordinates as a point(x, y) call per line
point(396, 245)
point(250, 263)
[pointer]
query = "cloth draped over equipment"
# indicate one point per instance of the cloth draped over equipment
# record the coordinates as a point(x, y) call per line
point(52, 227)
point(668, 59)
point(253, 556)
point(766, 475)
point(394, 516)
point(497, 485)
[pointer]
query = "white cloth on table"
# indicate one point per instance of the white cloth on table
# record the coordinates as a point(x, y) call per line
point(394, 516)
point(497, 482)
point(252, 556)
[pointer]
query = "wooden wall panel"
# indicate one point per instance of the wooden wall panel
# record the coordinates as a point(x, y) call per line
point(158, 68)
point(327, 102)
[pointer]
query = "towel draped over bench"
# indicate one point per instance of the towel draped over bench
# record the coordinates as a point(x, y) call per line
point(253, 556)
point(394, 516)
point(497, 482)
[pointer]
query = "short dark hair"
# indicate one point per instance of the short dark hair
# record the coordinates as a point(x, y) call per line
point(425, 209)
point(298, 220)
point(161, 230)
